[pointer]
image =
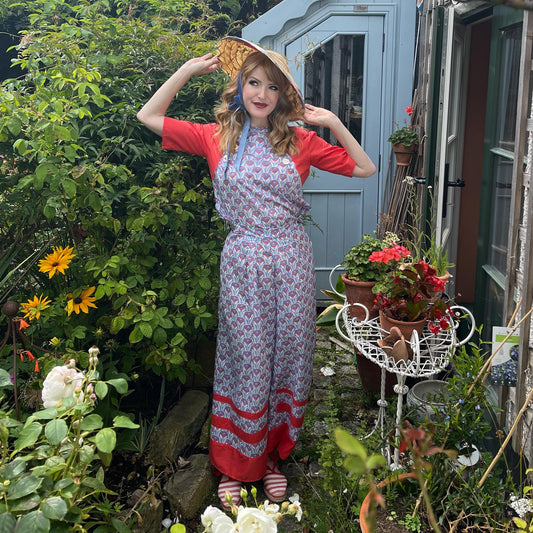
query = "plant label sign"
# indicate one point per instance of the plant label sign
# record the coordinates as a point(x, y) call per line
point(505, 362)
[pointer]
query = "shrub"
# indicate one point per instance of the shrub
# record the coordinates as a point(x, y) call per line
point(80, 171)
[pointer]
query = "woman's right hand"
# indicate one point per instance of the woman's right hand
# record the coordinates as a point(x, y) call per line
point(152, 114)
point(201, 65)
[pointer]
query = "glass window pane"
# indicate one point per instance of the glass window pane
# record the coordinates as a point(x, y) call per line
point(500, 213)
point(333, 79)
point(505, 135)
point(508, 94)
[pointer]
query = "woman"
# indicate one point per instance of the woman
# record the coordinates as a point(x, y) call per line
point(266, 336)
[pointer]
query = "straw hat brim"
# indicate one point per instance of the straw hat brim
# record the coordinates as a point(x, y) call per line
point(232, 51)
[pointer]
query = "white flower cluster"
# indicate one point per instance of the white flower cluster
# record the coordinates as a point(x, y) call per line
point(521, 506)
point(62, 382)
point(262, 519)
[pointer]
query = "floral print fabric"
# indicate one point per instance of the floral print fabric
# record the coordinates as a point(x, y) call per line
point(267, 312)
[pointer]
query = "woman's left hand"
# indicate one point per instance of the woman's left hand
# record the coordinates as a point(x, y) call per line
point(318, 116)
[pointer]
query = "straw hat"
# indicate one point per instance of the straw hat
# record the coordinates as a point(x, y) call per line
point(232, 51)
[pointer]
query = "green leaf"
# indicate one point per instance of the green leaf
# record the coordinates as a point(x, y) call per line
point(5, 379)
point(54, 508)
point(55, 431)
point(160, 336)
point(14, 125)
point(43, 169)
point(117, 324)
point(106, 440)
point(120, 384)
point(34, 522)
point(121, 421)
point(349, 444)
point(49, 212)
point(13, 469)
point(28, 436)
point(354, 464)
point(101, 389)
point(136, 335)
point(7, 523)
point(24, 486)
point(177, 528)
point(145, 329)
point(46, 414)
point(21, 146)
point(375, 461)
point(62, 132)
point(86, 454)
point(120, 526)
point(91, 422)
point(69, 186)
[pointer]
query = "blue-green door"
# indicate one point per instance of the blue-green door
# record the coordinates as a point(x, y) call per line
point(341, 68)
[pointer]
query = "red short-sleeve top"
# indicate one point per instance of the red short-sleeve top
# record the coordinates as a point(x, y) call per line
point(200, 139)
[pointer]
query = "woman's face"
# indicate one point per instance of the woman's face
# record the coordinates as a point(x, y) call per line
point(260, 96)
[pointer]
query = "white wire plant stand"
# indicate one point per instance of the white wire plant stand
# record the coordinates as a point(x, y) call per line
point(431, 353)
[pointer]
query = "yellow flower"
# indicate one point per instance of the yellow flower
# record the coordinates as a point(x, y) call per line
point(57, 261)
point(81, 302)
point(33, 308)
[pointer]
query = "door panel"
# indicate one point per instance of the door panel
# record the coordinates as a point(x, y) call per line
point(449, 180)
point(341, 70)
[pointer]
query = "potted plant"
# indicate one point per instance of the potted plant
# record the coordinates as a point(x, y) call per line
point(410, 294)
point(404, 141)
point(359, 279)
point(361, 274)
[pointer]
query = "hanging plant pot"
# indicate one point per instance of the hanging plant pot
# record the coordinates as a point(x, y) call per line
point(403, 153)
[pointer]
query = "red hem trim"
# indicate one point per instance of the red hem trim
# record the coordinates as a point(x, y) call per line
point(240, 412)
point(236, 465)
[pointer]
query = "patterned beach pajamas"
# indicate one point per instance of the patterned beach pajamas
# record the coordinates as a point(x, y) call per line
point(267, 310)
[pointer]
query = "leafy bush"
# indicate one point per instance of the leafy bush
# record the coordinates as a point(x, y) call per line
point(51, 475)
point(80, 171)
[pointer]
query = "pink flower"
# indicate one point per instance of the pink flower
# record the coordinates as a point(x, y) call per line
point(409, 109)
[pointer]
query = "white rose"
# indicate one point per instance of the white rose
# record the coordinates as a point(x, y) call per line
point(295, 508)
point(209, 515)
point(60, 383)
point(270, 508)
point(223, 524)
point(251, 520)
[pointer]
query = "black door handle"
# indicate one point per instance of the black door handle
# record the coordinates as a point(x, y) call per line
point(456, 183)
point(448, 183)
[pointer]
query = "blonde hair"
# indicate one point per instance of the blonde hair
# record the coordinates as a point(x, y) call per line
point(282, 138)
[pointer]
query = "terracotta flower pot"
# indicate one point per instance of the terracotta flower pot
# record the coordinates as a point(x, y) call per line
point(364, 513)
point(406, 328)
point(370, 376)
point(403, 153)
point(360, 292)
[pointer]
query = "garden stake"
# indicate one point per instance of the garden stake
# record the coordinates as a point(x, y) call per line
point(10, 309)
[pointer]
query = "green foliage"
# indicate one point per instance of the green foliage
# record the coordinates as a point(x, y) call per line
point(356, 262)
point(521, 522)
point(454, 490)
point(79, 170)
point(405, 135)
point(51, 474)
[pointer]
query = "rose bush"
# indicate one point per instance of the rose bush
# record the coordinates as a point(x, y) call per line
point(62, 382)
